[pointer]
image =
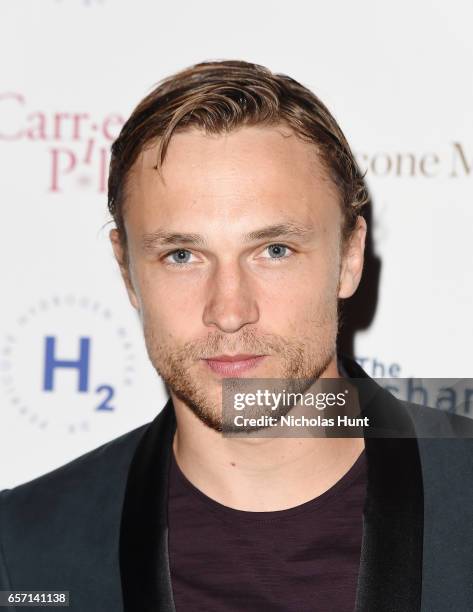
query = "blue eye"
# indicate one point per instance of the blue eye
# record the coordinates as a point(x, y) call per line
point(180, 256)
point(277, 251)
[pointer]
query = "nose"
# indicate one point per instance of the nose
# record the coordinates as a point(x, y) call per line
point(231, 303)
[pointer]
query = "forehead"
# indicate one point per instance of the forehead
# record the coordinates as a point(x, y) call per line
point(250, 173)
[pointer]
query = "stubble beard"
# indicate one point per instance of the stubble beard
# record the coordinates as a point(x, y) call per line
point(302, 360)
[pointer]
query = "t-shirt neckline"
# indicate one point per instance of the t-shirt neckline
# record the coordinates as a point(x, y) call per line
point(338, 487)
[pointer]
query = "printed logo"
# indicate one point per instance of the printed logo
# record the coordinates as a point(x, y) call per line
point(64, 362)
point(76, 143)
point(454, 161)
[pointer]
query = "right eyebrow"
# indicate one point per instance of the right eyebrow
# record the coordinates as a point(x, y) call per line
point(161, 238)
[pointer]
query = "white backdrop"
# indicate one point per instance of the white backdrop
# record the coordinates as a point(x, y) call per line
point(398, 78)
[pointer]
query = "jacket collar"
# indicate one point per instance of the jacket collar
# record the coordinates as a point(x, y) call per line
point(390, 576)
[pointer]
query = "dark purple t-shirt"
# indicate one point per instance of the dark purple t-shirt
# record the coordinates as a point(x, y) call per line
point(300, 559)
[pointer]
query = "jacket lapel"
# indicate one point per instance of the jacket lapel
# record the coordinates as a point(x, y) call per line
point(144, 556)
point(390, 576)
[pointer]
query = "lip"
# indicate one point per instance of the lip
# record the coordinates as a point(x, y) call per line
point(233, 365)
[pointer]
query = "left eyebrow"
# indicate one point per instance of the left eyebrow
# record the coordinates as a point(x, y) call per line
point(281, 230)
point(269, 232)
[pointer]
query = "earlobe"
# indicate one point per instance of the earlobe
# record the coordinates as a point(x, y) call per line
point(352, 264)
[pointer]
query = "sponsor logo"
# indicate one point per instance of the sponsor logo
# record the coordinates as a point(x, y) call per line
point(455, 161)
point(76, 142)
point(64, 363)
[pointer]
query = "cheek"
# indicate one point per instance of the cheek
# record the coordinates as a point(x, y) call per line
point(306, 294)
point(170, 309)
point(302, 315)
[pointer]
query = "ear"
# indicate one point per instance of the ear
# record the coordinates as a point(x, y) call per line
point(118, 251)
point(352, 260)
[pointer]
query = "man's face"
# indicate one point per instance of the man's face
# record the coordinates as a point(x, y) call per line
point(236, 252)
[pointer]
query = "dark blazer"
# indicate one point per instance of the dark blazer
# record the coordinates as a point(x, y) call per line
point(97, 526)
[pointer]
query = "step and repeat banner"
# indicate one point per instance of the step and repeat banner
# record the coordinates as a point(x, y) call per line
point(398, 78)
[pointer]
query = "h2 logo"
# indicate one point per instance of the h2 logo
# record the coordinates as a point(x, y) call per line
point(52, 363)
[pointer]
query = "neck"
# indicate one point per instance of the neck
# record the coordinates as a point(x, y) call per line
point(260, 474)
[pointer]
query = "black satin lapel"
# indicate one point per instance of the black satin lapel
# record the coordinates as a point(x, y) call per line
point(390, 577)
point(144, 558)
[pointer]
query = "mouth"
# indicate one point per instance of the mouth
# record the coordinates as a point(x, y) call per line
point(233, 365)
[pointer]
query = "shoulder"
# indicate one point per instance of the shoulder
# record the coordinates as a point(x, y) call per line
point(75, 507)
point(436, 423)
point(106, 462)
